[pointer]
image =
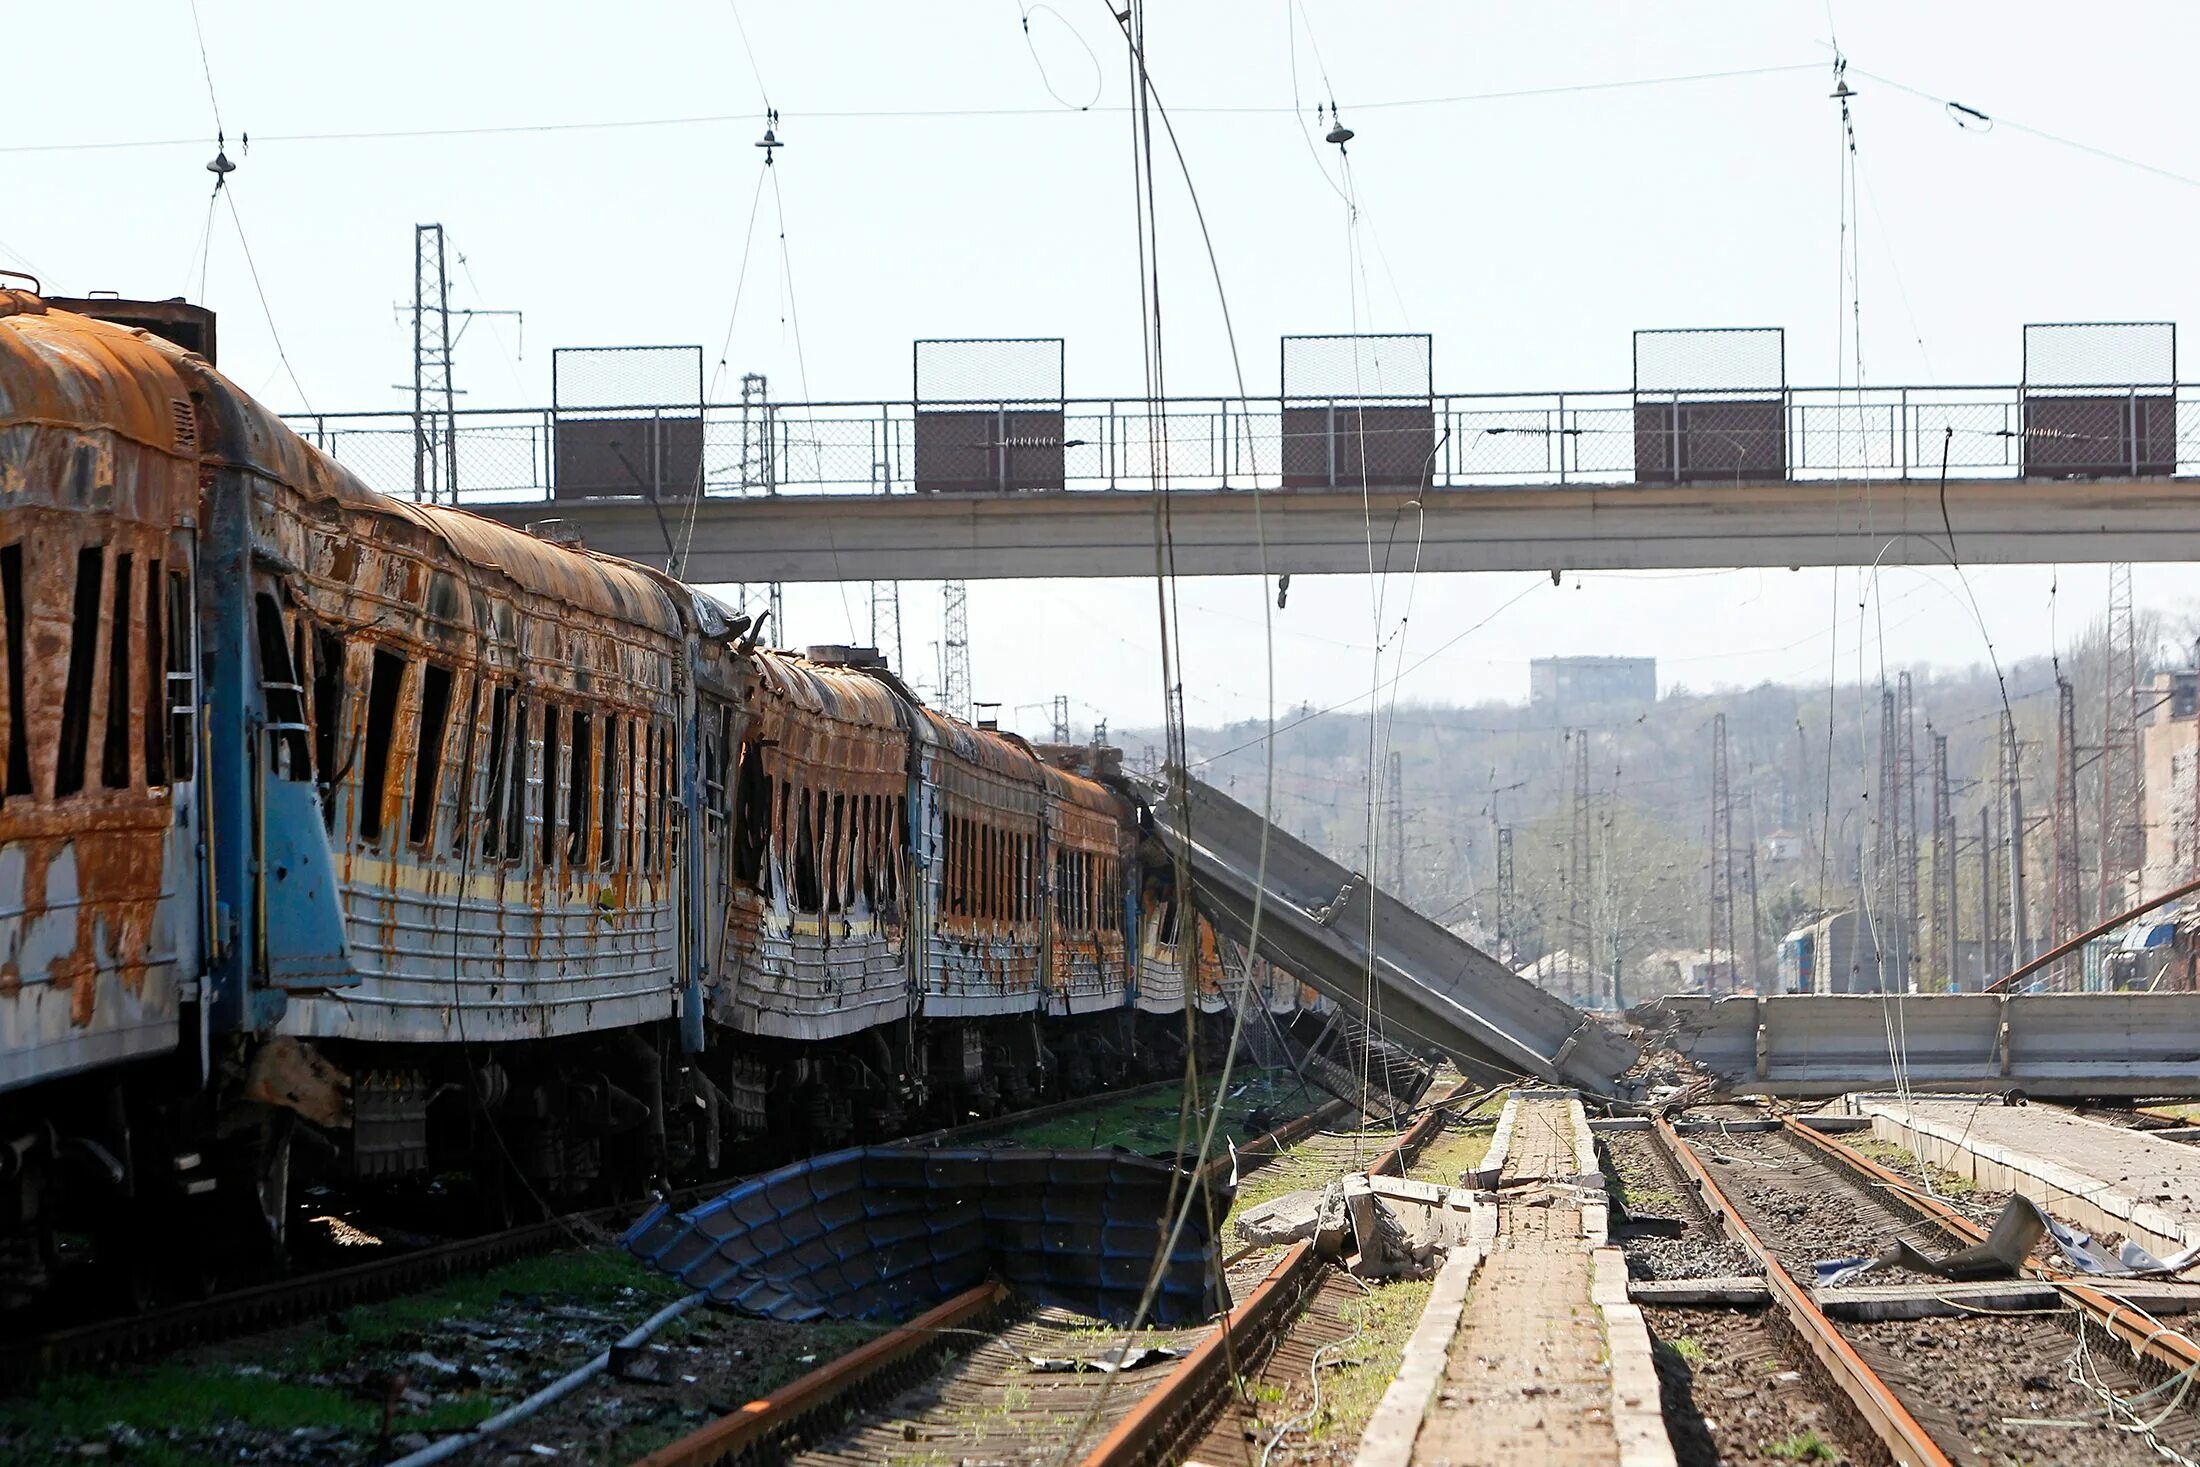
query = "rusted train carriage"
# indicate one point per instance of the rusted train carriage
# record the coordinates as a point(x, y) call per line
point(330, 816)
point(99, 811)
point(449, 775)
point(806, 918)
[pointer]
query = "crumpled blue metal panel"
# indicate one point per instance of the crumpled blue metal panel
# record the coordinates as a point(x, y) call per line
point(878, 1231)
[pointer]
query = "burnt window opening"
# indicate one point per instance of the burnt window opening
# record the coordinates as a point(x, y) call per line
point(435, 717)
point(153, 734)
point(806, 894)
point(648, 856)
point(608, 815)
point(283, 697)
point(836, 854)
point(11, 604)
point(384, 683)
point(76, 706)
point(752, 797)
point(492, 796)
point(667, 848)
point(1168, 921)
point(951, 861)
point(515, 785)
point(183, 699)
point(578, 789)
point(725, 760)
point(549, 802)
point(114, 749)
point(328, 717)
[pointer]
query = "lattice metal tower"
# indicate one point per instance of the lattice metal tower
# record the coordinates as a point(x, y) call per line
point(1508, 935)
point(2066, 904)
point(1906, 802)
point(1396, 803)
point(955, 648)
point(2123, 794)
point(2020, 922)
point(886, 621)
point(1722, 855)
point(1058, 716)
point(1580, 867)
point(1944, 951)
point(1881, 884)
point(435, 399)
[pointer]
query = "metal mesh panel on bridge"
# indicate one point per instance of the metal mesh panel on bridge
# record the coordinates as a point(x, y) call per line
point(629, 421)
point(1710, 405)
point(988, 414)
point(2100, 399)
point(1357, 410)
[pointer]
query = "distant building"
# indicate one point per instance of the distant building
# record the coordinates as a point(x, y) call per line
point(1782, 847)
point(2166, 729)
point(1592, 682)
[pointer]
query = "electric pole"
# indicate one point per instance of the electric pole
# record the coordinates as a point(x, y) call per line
point(2020, 926)
point(2067, 913)
point(1508, 938)
point(1722, 855)
point(1397, 804)
point(1946, 947)
point(2122, 775)
point(435, 405)
point(886, 622)
point(955, 649)
point(1579, 864)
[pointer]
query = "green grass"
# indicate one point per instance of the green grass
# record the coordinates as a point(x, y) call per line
point(1352, 1389)
point(1148, 1122)
point(1689, 1349)
point(261, 1384)
point(1902, 1159)
point(1804, 1446)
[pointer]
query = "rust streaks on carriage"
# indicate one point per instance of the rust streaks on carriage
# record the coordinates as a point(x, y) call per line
point(98, 490)
point(1091, 831)
point(988, 934)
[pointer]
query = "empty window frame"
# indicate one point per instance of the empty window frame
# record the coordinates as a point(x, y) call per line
point(516, 781)
point(580, 786)
point(153, 730)
point(548, 803)
point(76, 706)
point(183, 683)
point(11, 605)
point(328, 716)
point(500, 764)
point(282, 694)
point(385, 682)
point(114, 748)
point(435, 718)
point(607, 840)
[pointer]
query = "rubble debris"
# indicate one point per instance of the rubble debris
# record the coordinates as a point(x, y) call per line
point(1375, 1226)
point(1107, 1362)
point(2016, 1232)
point(876, 1231)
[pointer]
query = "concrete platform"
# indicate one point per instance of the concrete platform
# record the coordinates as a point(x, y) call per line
point(2106, 1179)
point(1529, 1351)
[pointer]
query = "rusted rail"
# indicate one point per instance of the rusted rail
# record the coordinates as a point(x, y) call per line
point(881, 1363)
point(1173, 1413)
point(1886, 1416)
point(2128, 1322)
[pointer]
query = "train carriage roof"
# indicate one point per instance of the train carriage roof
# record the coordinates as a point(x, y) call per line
point(847, 695)
point(97, 374)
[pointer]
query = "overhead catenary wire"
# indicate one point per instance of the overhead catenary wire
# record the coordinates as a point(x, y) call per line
point(897, 114)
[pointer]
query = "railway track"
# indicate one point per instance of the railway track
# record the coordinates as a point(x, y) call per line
point(109, 1342)
point(958, 1384)
point(1958, 1387)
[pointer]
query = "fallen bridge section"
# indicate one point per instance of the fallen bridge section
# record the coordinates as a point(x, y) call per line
point(2045, 1044)
point(1328, 926)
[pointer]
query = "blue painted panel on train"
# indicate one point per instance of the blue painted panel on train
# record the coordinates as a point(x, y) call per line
point(306, 943)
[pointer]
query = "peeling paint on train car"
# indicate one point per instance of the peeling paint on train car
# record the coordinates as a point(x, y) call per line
point(476, 734)
point(982, 828)
point(1091, 853)
point(812, 939)
point(97, 499)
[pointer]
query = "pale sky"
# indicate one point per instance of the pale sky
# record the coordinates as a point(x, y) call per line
point(1529, 234)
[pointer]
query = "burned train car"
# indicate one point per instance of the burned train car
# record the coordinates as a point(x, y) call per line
point(377, 841)
point(100, 809)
